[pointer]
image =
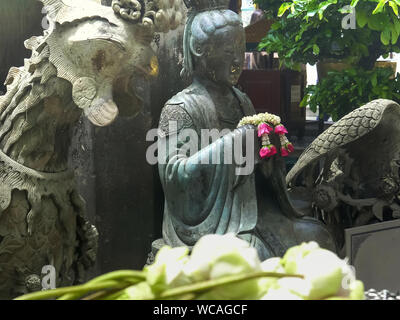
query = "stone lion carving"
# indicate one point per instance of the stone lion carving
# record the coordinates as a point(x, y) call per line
point(349, 175)
point(87, 61)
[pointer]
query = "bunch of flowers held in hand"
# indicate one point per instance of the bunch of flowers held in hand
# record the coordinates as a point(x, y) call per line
point(224, 267)
point(266, 124)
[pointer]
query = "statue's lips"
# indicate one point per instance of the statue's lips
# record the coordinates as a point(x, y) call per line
point(235, 77)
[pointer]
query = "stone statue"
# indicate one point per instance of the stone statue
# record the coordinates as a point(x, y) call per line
point(211, 198)
point(349, 175)
point(87, 61)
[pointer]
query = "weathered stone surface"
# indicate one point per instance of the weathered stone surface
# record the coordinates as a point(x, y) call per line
point(37, 114)
point(360, 156)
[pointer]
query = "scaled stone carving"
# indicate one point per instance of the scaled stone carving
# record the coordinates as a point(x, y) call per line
point(349, 175)
point(86, 62)
point(211, 198)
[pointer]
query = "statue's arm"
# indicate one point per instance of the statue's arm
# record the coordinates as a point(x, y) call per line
point(190, 174)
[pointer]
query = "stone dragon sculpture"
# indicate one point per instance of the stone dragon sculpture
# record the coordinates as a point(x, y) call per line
point(349, 175)
point(86, 62)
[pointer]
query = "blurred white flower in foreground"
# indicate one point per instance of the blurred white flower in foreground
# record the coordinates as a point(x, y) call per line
point(325, 275)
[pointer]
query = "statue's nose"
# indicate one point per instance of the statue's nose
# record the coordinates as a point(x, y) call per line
point(236, 65)
point(238, 61)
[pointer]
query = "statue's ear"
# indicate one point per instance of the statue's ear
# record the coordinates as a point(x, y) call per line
point(196, 49)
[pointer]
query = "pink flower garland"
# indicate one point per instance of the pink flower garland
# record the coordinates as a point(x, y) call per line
point(268, 149)
point(264, 128)
point(280, 129)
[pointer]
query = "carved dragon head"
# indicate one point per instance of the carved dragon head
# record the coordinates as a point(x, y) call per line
point(101, 50)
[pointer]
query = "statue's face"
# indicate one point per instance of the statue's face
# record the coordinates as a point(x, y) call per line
point(224, 57)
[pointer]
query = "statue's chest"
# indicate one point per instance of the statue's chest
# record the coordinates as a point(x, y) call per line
point(229, 113)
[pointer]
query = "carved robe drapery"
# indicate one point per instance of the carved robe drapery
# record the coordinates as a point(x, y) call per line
point(211, 198)
point(200, 198)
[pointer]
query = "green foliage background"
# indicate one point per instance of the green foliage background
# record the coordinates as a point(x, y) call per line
point(310, 31)
point(341, 92)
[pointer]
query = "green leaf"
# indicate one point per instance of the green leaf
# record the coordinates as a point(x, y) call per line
point(375, 23)
point(304, 102)
point(315, 49)
point(308, 47)
point(397, 25)
point(380, 6)
point(385, 37)
point(361, 18)
point(283, 8)
point(393, 5)
point(312, 13)
point(354, 3)
point(322, 7)
point(276, 25)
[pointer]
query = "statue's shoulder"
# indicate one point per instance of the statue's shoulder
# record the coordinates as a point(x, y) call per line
point(176, 114)
point(187, 97)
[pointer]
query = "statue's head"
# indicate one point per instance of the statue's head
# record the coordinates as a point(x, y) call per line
point(102, 50)
point(214, 43)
